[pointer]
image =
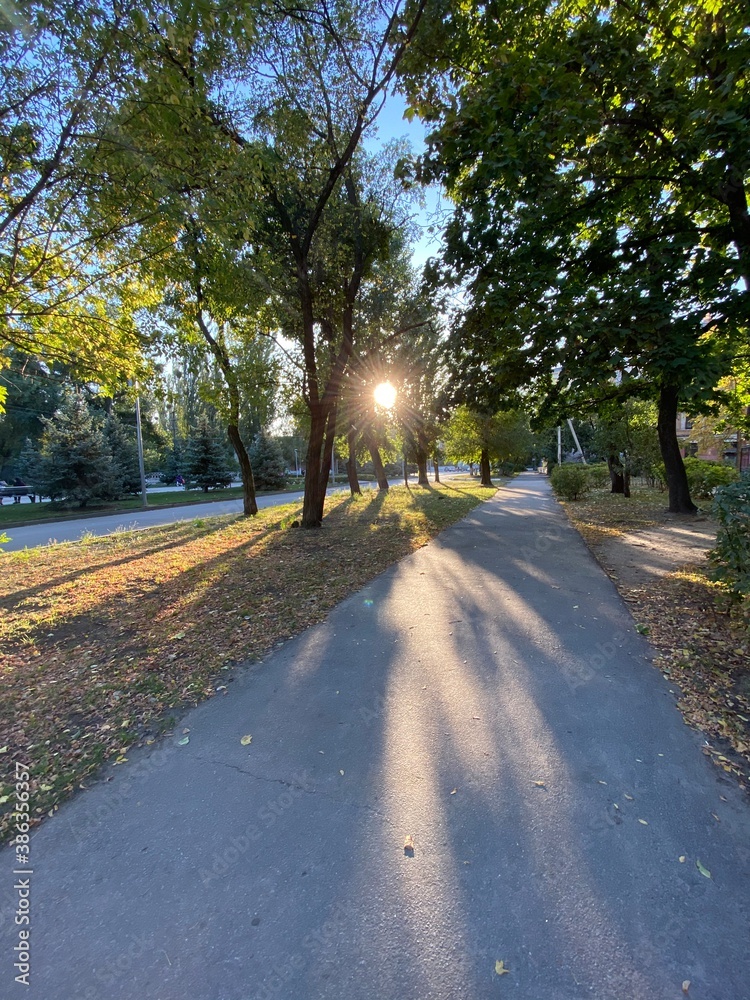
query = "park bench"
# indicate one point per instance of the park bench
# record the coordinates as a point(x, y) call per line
point(17, 492)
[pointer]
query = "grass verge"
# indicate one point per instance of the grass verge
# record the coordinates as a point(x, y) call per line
point(101, 638)
point(702, 647)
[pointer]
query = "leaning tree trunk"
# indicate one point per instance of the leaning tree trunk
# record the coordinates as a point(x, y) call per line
point(436, 467)
point(484, 468)
point(351, 462)
point(677, 482)
point(249, 504)
point(377, 461)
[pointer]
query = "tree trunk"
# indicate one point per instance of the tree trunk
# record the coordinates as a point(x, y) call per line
point(314, 500)
point(484, 468)
point(677, 483)
point(377, 461)
point(327, 458)
point(733, 195)
point(422, 479)
point(249, 504)
point(351, 464)
point(436, 467)
point(618, 476)
point(406, 472)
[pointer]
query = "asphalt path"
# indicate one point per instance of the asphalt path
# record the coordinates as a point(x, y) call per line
point(32, 535)
point(488, 697)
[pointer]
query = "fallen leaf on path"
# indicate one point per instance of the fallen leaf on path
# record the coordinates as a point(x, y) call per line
point(540, 784)
point(643, 821)
point(602, 782)
point(682, 859)
point(686, 986)
point(246, 740)
point(702, 868)
point(500, 968)
point(409, 844)
point(454, 791)
point(341, 773)
point(628, 797)
point(183, 742)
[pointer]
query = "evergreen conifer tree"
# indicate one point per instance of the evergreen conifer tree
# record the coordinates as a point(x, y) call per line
point(75, 462)
point(268, 463)
point(121, 440)
point(27, 465)
point(206, 460)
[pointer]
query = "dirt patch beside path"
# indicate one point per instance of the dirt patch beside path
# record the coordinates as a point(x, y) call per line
point(657, 561)
point(638, 557)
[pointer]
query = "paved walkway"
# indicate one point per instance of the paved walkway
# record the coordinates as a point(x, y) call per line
point(488, 697)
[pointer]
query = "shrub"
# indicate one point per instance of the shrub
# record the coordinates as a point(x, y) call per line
point(731, 555)
point(704, 478)
point(570, 481)
point(598, 475)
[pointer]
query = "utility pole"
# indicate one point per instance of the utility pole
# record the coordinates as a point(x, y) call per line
point(575, 438)
point(139, 438)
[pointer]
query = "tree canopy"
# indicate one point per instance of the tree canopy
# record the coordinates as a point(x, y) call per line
point(598, 155)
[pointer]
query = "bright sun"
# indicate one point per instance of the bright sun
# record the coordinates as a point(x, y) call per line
point(385, 395)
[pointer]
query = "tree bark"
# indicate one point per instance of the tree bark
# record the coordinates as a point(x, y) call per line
point(351, 463)
point(314, 499)
point(619, 476)
point(733, 195)
point(377, 461)
point(422, 479)
point(484, 468)
point(249, 503)
point(677, 483)
point(436, 467)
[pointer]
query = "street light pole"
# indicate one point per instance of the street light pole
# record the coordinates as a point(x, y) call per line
point(139, 439)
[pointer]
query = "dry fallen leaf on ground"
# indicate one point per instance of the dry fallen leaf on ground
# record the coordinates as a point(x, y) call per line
point(686, 986)
point(540, 784)
point(500, 968)
point(702, 868)
point(246, 740)
point(643, 821)
point(409, 844)
point(682, 859)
